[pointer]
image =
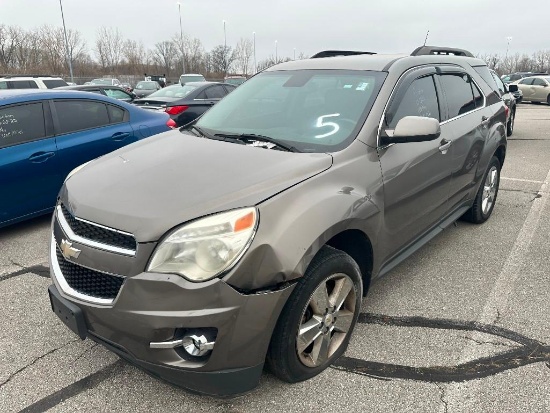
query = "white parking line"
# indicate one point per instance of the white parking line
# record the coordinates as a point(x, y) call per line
point(459, 396)
point(525, 180)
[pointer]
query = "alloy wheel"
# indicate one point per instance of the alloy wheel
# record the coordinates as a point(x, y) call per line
point(489, 190)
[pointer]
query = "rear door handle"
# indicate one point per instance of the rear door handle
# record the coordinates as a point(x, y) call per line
point(444, 146)
point(39, 157)
point(120, 136)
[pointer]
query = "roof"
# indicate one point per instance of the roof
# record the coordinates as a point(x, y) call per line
point(22, 95)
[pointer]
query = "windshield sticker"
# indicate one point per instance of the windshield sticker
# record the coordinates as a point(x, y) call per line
point(362, 86)
point(321, 123)
point(348, 86)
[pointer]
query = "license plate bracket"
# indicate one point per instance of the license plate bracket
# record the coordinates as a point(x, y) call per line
point(67, 312)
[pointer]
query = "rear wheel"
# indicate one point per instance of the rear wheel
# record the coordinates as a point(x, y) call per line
point(510, 125)
point(548, 99)
point(486, 196)
point(316, 324)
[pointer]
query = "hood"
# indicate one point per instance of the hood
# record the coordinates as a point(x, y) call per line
point(158, 183)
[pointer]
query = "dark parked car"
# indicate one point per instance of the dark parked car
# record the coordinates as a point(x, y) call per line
point(253, 234)
point(507, 95)
point(146, 87)
point(127, 86)
point(46, 134)
point(186, 103)
point(114, 92)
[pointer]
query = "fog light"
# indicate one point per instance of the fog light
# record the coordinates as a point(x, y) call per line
point(197, 345)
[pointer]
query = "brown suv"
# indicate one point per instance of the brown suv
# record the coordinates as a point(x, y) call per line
point(255, 233)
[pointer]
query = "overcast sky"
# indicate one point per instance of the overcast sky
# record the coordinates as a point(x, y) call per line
point(392, 26)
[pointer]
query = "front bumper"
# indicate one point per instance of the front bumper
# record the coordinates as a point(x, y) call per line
point(151, 307)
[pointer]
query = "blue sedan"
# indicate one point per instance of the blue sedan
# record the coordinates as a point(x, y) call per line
point(44, 134)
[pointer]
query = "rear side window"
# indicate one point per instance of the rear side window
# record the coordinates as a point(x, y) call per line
point(526, 81)
point(458, 90)
point(51, 83)
point(76, 115)
point(21, 123)
point(215, 92)
point(486, 75)
point(116, 114)
point(420, 99)
point(539, 82)
point(117, 94)
point(3, 85)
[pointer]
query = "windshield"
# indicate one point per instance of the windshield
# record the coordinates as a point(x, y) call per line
point(146, 85)
point(102, 82)
point(311, 110)
point(174, 91)
point(235, 80)
point(185, 79)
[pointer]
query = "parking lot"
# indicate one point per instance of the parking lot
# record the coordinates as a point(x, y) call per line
point(461, 326)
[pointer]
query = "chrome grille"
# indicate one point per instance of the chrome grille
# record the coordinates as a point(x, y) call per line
point(89, 282)
point(98, 233)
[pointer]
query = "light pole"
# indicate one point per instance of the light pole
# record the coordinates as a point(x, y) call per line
point(294, 53)
point(254, 45)
point(275, 51)
point(181, 41)
point(508, 39)
point(224, 49)
point(69, 58)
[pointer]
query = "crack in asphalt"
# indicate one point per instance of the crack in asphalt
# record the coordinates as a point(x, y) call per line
point(40, 270)
point(443, 397)
point(494, 343)
point(94, 345)
point(34, 361)
point(528, 351)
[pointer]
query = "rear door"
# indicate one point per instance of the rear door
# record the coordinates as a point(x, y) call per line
point(87, 129)
point(525, 85)
point(29, 175)
point(469, 118)
point(540, 89)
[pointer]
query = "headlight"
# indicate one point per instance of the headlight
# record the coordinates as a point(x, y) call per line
point(75, 170)
point(207, 247)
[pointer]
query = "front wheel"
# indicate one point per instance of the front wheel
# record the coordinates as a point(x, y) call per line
point(548, 99)
point(486, 196)
point(316, 324)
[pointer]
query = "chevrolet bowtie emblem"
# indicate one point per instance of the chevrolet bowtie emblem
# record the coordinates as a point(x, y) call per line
point(68, 251)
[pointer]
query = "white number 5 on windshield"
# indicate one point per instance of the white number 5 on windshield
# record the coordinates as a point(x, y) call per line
point(321, 123)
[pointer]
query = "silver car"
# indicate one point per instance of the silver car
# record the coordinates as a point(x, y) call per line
point(535, 89)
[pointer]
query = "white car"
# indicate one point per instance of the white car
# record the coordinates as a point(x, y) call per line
point(535, 89)
point(31, 82)
point(107, 81)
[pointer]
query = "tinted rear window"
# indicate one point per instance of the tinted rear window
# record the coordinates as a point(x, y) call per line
point(460, 98)
point(485, 74)
point(75, 115)
point(51, 83)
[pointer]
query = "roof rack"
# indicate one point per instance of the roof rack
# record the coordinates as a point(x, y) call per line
point(24, 75)
point(436, 50)
point(332, 53)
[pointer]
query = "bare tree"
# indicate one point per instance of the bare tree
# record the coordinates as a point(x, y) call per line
point(166, 55)
point(10, 39)
point(221, 59)
point(243, 53)
point(109, 47)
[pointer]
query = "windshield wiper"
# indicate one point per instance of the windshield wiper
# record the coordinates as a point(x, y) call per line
point(216, 137)
point(244, 137)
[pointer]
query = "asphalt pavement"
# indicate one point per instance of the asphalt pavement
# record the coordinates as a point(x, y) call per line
point(461, 326)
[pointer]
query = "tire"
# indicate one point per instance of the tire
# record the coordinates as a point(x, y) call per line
point(510, 125)
point(486, 196)
point(548, 99)
point(328, 326)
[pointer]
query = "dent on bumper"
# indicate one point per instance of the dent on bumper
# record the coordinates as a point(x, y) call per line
point(152, 307)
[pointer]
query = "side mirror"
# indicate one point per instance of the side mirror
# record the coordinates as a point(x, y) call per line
point(513, 88)
point(414, 129)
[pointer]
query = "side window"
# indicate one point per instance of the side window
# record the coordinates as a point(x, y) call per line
point(117, 94)
point(94, 91)
point(22, 123)
point(201, 95)
point(526, 81)
point(76, 115)
point(23, 84)
point(478, 97)
point(539, 82)
point(420, 99)
point(458, 90)
point(215, 92)
point(3, 85)
point(500, 84)
point(116, 114)
point(230, 88)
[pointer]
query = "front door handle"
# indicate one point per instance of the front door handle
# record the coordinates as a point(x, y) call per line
point(120, 136)
point(40, 157)
point(485, 121)
point(444, 146)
